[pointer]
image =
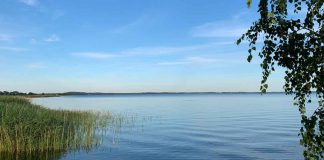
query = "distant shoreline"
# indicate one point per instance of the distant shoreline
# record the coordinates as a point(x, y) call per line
point(158, 93)
point(45, 95)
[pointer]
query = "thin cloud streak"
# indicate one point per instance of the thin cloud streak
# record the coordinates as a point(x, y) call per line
point(35, 66)
point(219, 29)
point(129, 26)
point(148, 51)
point(234, 27)
point(13, 49)
point(6, 37)
point(52, 38)
point(162, 50)
point(205, 60)
point(30, 2)
point(191, 60)
point(94, 55)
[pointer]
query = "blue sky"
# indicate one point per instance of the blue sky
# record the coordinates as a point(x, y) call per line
point(127, 46)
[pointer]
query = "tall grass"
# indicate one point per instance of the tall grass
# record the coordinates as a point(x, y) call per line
point(26, 128)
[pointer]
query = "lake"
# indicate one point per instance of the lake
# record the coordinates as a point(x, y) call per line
point(192, 126)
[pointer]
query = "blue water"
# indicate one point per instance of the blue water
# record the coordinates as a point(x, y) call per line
point(204, 126)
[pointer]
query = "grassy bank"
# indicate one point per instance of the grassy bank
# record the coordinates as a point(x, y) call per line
point(28, 128)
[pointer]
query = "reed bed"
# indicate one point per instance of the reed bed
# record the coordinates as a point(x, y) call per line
point(27, 128)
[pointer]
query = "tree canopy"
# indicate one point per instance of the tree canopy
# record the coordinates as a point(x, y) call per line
point(295, 43)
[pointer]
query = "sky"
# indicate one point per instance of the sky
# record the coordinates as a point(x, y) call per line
point(127, 46)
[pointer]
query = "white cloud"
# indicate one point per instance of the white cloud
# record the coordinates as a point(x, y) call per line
point(6, 37)
point(33, 41)
point(13, 49)
point(131, 25)
point(52, 38)
point(35, 66)
point(191, 60)
point(219, 29)
point(94, 55)
point(148, 51)
point(163, 50)
point(217, 59)
point(30, 2)
point(234, 26)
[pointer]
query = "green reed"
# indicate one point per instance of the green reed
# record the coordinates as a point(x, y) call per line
point(29, 128)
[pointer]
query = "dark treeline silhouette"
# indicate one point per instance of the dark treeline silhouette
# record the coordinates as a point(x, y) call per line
point(29, 94)
point(15, 93)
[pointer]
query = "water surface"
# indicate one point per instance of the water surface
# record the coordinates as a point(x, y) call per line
point(196, 126)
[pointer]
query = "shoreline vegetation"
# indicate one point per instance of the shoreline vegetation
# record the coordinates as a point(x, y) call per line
point(27, 129)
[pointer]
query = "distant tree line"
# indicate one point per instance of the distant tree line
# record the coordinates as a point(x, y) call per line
point(15, 93)
point(29, 94)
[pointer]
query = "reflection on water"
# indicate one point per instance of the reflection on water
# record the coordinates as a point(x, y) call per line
point(211, 126)
point(32, 156)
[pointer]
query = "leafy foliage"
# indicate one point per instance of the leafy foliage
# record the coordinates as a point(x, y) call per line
point(292, 33)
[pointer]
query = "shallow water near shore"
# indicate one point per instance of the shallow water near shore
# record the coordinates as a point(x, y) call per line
point(193, 126)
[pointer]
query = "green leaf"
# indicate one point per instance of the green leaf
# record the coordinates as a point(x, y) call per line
point(249, 2)
point(238, 41)
point(270, 14)
point(263, 90)
point(249, 58)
